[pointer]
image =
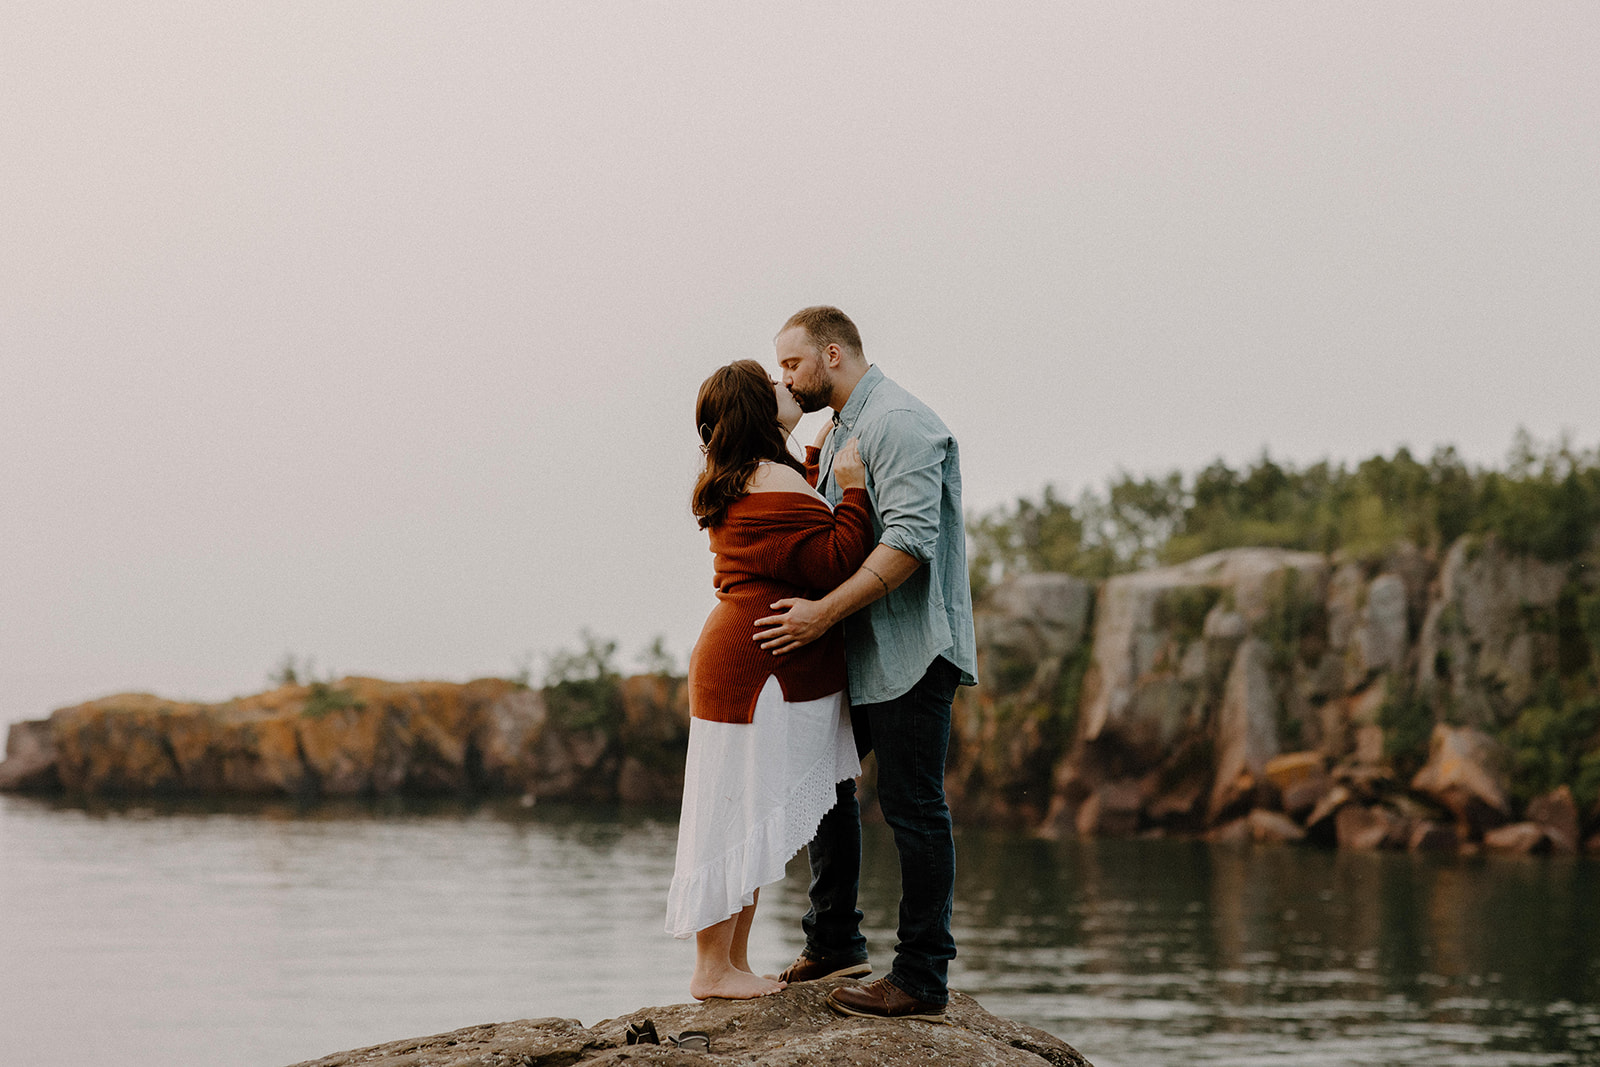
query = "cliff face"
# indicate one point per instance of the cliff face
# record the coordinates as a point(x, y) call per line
point(364, 737)
point(1251, 693)
point(1010, 731)
point(1258, 693)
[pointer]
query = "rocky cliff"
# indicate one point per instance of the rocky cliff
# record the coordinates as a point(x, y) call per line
point(1252, 694)
point(1270, 694)
point(365, 737)
point(790, 1028)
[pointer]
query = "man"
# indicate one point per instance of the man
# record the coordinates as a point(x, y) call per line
point(909, 641)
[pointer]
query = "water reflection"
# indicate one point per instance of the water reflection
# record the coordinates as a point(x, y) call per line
point(260, 933)
point(1137, 949)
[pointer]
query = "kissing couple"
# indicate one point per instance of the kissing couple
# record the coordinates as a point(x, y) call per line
point(843, 626)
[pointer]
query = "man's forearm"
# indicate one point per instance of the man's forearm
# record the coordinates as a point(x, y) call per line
point(885, 569)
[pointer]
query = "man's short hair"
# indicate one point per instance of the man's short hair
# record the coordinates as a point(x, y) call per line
point(826, 326)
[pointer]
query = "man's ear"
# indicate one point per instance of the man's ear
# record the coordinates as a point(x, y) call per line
point(833, 353)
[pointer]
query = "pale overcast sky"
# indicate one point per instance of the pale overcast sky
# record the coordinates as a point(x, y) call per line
point(371, 331)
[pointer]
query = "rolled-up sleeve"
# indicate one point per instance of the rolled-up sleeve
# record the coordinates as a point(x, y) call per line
point(905, 459)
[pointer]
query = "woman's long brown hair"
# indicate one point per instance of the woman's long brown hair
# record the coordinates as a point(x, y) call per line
point(737, 415)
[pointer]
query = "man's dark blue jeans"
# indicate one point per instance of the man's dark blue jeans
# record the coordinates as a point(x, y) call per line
point(911, 735)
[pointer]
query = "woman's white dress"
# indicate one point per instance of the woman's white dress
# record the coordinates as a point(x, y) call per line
point(753, 795)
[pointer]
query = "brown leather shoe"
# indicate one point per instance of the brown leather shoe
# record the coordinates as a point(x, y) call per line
point(806, 969)
point(883, 1000)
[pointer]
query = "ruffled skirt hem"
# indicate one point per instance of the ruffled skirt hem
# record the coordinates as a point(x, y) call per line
point(713, 883)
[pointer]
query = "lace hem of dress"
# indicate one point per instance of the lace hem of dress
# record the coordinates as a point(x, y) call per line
point(717, 890)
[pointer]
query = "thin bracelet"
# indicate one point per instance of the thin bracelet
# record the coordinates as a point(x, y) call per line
point(878, 576)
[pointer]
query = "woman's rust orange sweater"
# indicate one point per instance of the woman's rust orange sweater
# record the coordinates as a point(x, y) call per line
point(771, 546)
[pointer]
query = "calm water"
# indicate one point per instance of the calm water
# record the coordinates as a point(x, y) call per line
point(261, 935)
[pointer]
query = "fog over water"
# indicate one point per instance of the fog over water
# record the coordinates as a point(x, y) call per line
point(369, 332)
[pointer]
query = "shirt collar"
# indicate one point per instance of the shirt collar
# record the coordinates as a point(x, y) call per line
point(846, 417)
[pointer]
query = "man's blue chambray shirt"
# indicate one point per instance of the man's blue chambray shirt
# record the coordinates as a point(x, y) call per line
point(914, 482)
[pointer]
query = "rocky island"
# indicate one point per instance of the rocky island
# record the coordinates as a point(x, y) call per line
point(1251, 694)
point(789, 1029)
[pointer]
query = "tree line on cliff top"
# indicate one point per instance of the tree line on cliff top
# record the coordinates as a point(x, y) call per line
point(1544, 502)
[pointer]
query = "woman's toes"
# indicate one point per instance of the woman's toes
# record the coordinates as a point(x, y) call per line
point(735, 985)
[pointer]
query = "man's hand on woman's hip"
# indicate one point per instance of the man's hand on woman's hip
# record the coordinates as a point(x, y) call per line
point(801, 622)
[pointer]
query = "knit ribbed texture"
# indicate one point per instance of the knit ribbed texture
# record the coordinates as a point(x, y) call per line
point(772, 546)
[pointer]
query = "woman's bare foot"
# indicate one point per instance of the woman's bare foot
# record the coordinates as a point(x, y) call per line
point(733, 984)
point(721, 961)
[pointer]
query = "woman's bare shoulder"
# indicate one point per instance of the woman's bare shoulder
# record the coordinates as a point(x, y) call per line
point(779, 478)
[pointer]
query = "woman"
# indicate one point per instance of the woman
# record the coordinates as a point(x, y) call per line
point(769, 737)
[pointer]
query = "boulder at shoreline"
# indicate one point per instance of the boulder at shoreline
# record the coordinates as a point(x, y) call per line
point(791, 1028)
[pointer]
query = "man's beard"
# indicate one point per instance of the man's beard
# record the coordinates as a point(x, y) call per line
point(812, 400)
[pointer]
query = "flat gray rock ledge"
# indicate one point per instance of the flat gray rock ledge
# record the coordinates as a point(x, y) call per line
point(795, 1028)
